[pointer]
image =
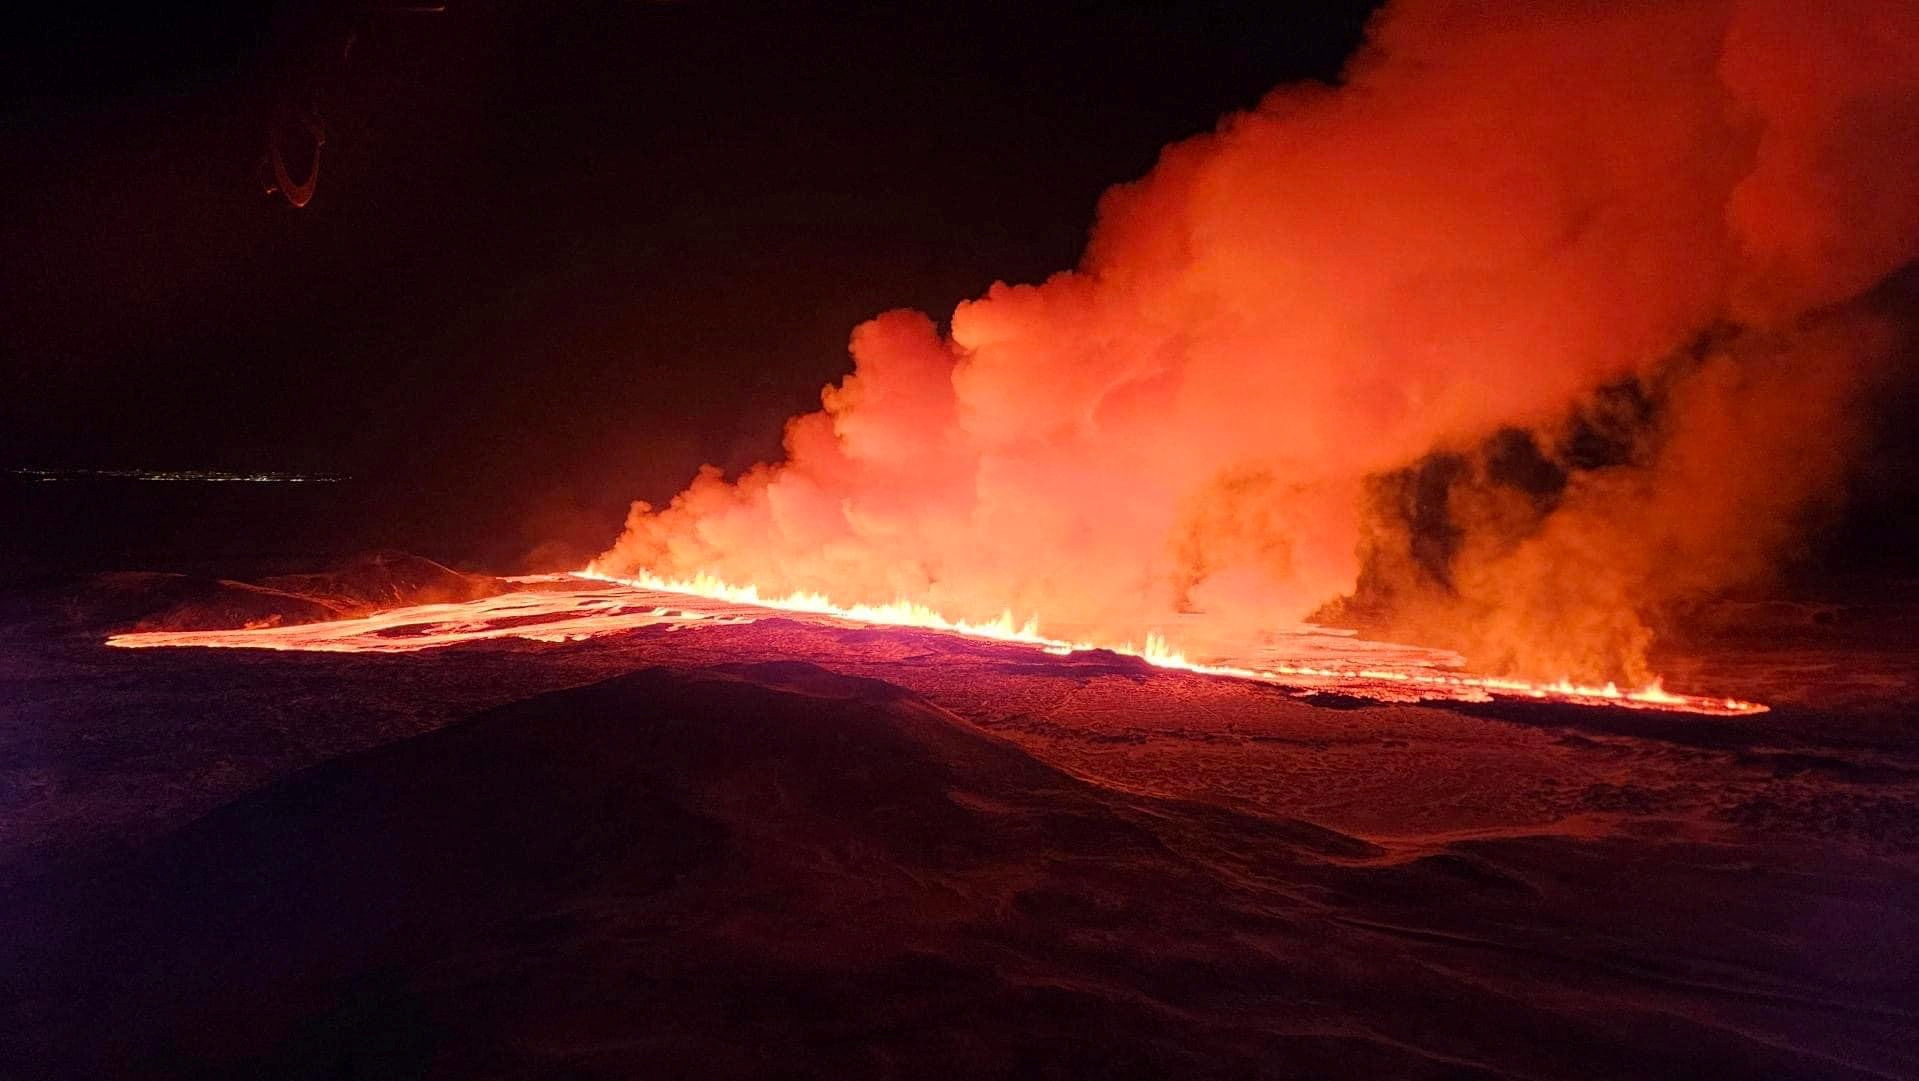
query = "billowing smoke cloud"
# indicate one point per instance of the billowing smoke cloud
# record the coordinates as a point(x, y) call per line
point(1551, 315)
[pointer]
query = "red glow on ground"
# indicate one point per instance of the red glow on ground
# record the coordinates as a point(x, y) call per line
point(597, 605)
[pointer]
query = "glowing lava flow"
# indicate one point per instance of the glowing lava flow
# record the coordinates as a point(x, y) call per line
point(551, 611)
point(1419, 683)
point(546, 615)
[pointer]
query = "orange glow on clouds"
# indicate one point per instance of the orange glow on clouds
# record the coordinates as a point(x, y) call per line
point(1501, 215)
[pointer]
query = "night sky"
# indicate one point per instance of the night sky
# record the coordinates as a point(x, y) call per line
point(559, 254)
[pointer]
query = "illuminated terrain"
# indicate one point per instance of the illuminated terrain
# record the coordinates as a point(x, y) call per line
point(1315, 662)
point(1414, 582)
point(613, 832)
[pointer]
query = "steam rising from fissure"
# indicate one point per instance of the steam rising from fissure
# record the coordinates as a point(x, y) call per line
point(1548, 318)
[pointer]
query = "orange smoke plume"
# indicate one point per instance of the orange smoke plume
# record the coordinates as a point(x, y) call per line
point(1549, 316)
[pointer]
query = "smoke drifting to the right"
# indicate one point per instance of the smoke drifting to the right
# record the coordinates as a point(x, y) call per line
point(1551, 317)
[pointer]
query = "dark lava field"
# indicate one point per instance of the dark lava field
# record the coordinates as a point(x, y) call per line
point(793, 850)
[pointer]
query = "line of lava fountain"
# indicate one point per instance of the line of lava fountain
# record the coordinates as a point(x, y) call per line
point(1157, 652)
point(559, 616)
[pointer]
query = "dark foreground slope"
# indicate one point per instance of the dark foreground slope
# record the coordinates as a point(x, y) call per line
point(772, 870)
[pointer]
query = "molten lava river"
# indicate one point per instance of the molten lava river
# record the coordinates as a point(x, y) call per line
point(586, 604)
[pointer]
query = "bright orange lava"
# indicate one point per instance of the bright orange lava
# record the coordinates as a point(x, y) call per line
point(556, 614)
point(1410, 682)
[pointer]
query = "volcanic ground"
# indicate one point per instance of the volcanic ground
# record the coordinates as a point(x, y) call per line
point(791, 847)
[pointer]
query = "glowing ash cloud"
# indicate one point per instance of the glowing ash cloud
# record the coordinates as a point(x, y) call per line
point(1549, 317)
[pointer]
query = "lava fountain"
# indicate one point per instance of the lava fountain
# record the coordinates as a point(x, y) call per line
point(1547, 323)
point(597, 604)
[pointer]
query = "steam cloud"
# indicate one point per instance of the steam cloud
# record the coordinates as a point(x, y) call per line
point(1549, 317)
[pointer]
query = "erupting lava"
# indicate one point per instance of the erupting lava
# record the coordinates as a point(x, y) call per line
point(1414, 682)
point(1547, 322)
point(1343, 664)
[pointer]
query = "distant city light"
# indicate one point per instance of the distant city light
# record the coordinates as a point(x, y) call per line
point(208, 476)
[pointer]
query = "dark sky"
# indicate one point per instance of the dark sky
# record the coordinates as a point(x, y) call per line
point(560, 253)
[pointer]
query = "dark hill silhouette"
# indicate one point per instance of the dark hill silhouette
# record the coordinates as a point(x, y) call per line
point(771, 870)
